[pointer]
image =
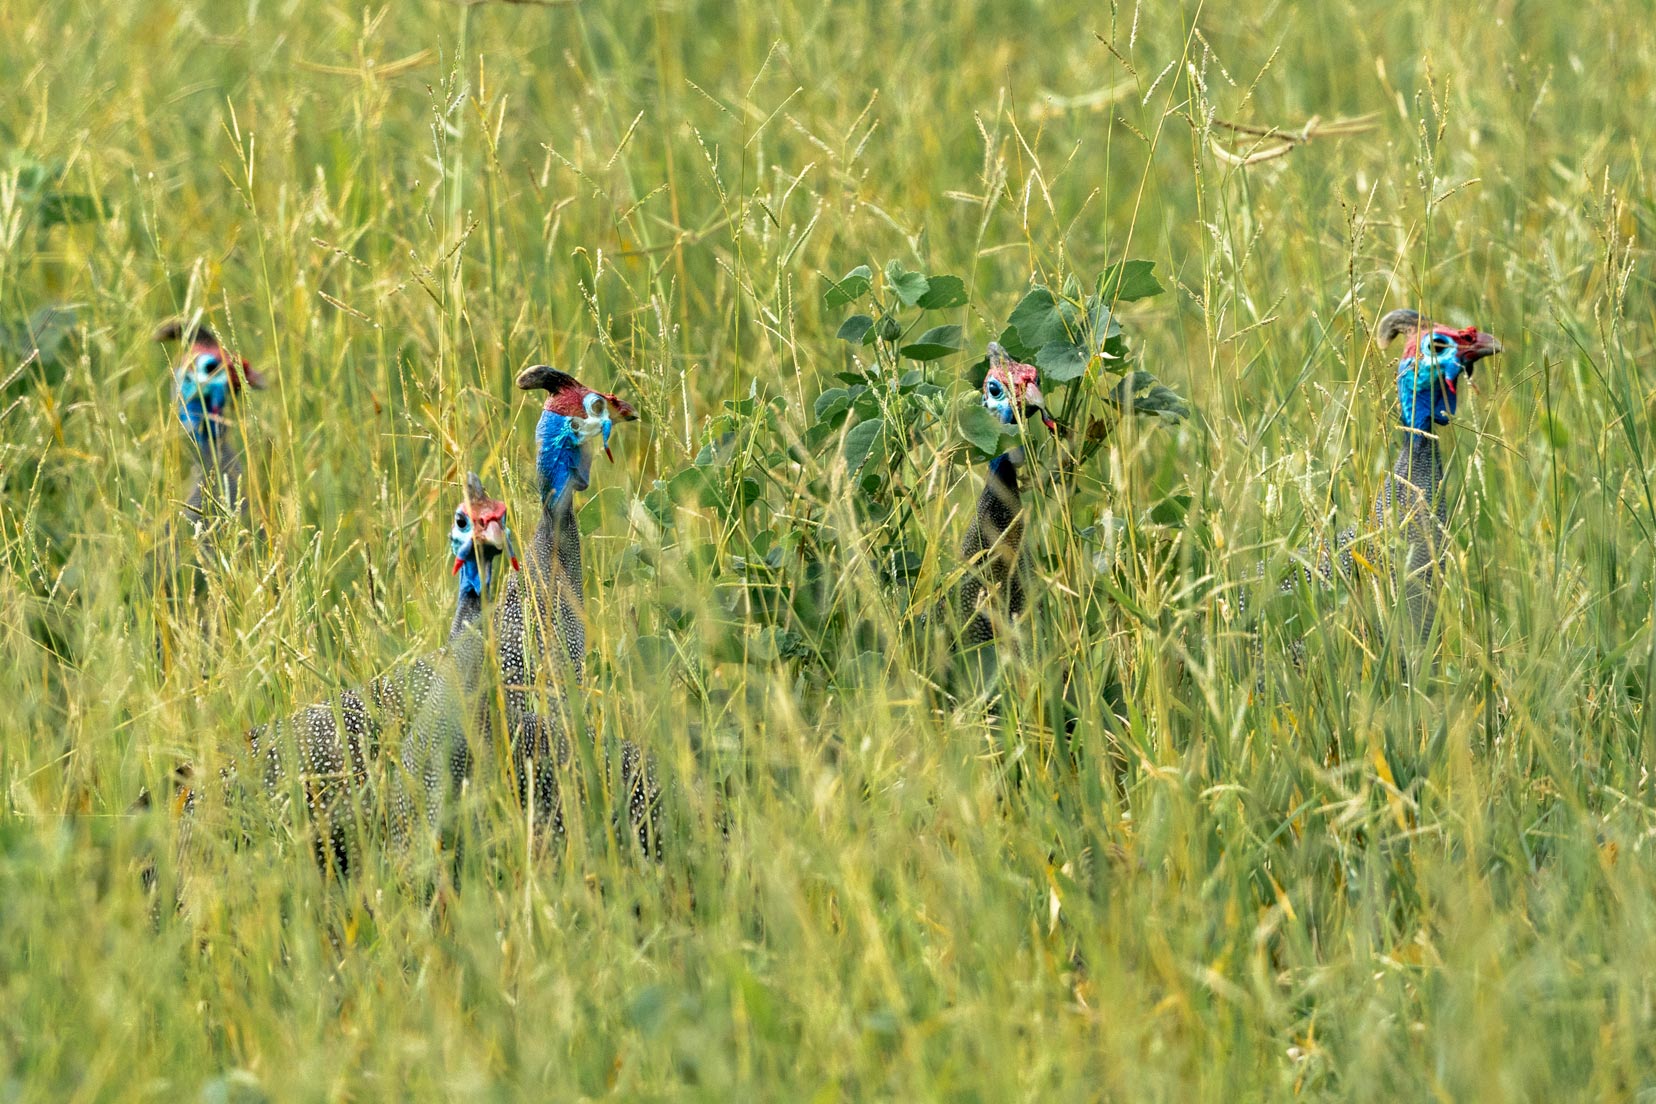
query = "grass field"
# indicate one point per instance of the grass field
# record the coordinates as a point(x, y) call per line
point(1268, 879)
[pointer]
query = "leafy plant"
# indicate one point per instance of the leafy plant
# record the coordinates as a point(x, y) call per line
point(770, 477)
point(41, 191)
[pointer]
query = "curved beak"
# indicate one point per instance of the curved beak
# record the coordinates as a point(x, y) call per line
point(494, 535)
point(1483, 345)
point(1034, 400)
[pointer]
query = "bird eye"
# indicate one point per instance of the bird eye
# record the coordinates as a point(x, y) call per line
point(995, 388)
point(461, 521)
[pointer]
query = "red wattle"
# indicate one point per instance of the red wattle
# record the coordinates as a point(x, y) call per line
point(456, 570)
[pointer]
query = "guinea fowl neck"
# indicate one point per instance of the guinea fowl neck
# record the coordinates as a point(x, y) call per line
point(557, 518)
point(1420, 460)
point(1001, 496)
point(468, 606)
point(1420, 453)
point(555, 550)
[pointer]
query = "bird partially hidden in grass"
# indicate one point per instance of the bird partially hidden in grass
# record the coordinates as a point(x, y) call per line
point(1411, 508)
point(991, 595)
point(540, 626)
point(390, 758)
point(208, 386)
point(1411, 511)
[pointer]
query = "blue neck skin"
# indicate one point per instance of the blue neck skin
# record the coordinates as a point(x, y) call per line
point(1426, 386)
point(203, 396)
point(563, 462)
point(202, 417)
point(471, 580)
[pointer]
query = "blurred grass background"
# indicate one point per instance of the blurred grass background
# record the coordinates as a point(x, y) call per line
point(1272, 880)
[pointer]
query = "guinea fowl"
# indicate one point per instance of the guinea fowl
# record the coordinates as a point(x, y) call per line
point(208, 384)
point(334, 749)
point(992, 593)
point(1411, 501)
point(574, 422)
point(1410, 504)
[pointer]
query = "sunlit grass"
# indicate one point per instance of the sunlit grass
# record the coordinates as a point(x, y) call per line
point(1268, 878)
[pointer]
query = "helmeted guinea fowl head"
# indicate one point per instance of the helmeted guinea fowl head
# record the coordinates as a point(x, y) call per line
point(1011, 390)
point(1434, 359)
point(574, 418)
point(208, 379)
point(479, 537)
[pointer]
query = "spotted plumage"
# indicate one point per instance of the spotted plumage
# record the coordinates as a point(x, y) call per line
point(330, 756)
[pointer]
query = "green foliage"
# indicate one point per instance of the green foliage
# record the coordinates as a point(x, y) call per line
point(41, 192)
point(1188, 854)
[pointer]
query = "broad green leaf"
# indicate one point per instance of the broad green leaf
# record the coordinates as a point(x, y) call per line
point(1015, 348)
point(749, 491)
point(979, 427)
point(1059, 361)
point(831, 401)
point(855, 328)
point(860, 441)
point(1170, 510)
point(692, 485)
point(1040, 319)
point(1129, 282)
point(943, 292)
point(1102, 328)
point(1142, 393)
point(771, 643)
point(937, 342)
point(659, 501)
point(853, 285)
point(653, 654)
point(908, 286)
point(69, 207)
point(818, 435)
point(598, 506)
point(866, 402)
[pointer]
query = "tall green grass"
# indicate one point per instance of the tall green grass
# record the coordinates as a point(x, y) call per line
point(1270, 879)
